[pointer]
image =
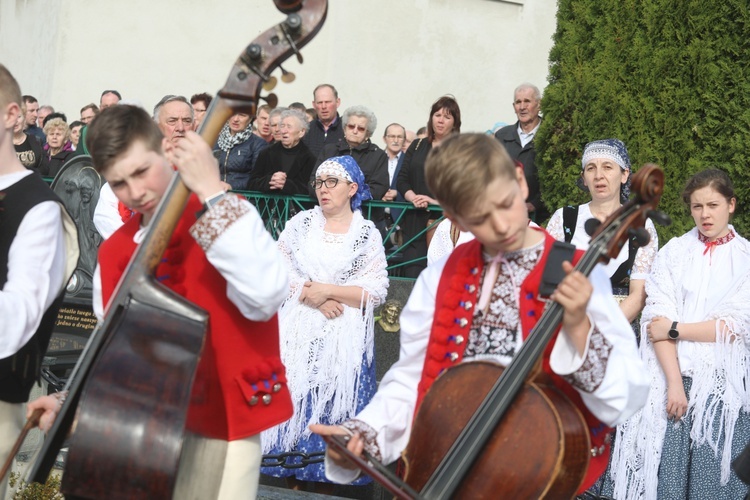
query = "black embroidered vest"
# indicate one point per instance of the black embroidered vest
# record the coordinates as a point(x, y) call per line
point(19, 371)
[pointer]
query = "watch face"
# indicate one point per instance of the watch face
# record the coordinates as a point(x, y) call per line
point(673, 334)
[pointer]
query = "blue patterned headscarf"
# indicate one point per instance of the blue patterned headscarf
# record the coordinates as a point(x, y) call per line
point(345, 167)
point(611, 149)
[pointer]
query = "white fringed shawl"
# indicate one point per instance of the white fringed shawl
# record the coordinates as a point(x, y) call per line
point(323, 357)
point(676, 289)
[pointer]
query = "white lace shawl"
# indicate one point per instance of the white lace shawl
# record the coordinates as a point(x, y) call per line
point(719, 370)
point(323, 357)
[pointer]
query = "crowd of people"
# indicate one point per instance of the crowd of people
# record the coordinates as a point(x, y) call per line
point(292, 322)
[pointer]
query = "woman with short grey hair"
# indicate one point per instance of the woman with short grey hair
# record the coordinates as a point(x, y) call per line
point(359, 123)
point(361, 112)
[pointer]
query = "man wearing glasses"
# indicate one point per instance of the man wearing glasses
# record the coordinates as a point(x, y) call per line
point(394, 138)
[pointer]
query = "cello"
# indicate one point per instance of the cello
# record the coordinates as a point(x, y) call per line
point(471, 443)
point(128, 395)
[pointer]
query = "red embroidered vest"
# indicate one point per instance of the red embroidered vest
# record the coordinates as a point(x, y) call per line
point(454, 310)
point(240, 386)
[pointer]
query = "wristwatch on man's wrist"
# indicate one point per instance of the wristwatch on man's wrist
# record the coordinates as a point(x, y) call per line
point(673, 333)
point(210, 202)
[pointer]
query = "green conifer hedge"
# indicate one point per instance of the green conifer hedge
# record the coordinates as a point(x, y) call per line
point(671, 78)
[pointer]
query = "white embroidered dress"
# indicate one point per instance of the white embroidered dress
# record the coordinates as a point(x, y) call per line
point(688, 285)
point(324, 357)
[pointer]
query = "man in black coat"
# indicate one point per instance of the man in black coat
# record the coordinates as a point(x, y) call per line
point(326, 128)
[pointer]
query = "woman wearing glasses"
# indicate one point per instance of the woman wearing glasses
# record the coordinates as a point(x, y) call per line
point(337, 279)
point(359, 125)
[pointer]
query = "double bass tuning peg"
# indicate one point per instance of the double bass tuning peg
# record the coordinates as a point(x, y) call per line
point(286, 76)
point(271, 99)
point(270, 83)
point(591, 226)
point(292, 26)
point(641, 236)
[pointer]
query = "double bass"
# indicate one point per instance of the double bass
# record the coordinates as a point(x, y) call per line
point(514, 434)
point(129, 393)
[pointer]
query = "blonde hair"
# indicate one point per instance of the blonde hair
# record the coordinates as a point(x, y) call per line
point(459, 170)
point(54, 124)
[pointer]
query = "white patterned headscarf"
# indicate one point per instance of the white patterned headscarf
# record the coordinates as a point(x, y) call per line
point(610, 149)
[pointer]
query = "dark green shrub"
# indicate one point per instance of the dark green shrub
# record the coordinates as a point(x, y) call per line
point(671, 78)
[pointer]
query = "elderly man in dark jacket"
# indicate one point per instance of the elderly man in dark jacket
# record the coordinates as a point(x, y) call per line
point(518, 140)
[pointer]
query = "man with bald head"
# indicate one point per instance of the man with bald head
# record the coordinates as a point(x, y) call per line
point(394, 137)
point(174, 115)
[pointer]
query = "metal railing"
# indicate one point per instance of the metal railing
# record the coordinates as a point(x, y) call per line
point(277, 209)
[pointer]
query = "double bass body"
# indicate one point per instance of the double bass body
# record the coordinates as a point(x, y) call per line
point(140, 388)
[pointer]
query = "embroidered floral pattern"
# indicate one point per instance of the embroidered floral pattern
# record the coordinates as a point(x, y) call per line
point(590, 375)
point(718, 241)
point(368, 435)
point(216, 220)
point(496, 333)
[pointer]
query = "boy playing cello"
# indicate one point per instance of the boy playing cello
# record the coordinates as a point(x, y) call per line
point(593, 359)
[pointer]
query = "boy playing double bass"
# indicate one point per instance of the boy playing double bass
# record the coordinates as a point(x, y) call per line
point(481, 302)
point(221, 258)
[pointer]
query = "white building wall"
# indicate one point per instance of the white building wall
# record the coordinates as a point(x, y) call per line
point(394, 56)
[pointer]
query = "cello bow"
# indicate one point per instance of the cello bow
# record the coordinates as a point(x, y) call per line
point(250, 74)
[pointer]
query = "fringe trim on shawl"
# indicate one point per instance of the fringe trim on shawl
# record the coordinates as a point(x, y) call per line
point(324, 367)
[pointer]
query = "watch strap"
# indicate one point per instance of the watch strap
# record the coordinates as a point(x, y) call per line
point(674, 329)
point(209, 202)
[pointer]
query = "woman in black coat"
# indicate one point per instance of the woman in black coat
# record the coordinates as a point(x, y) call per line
point(59, 148)
point(445, 119)
point(359, 125)
point(285, 166)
